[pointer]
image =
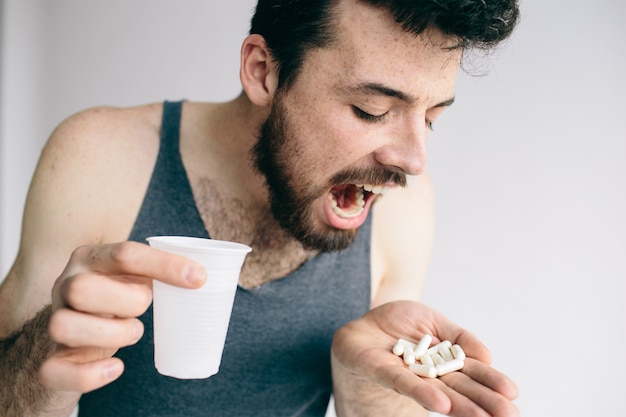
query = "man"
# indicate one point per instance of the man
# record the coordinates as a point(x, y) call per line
point(338, 97)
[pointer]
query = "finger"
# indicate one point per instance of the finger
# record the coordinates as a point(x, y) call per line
point(132, 258)
point(92, 293)
point(471, 344)
point(473, 347)
point(442, 328)
point(491, 378)
point(64, 375)
point(83, 354)
point(470, 396)
point(405, 382)
point(460, 405)
point(71, 328)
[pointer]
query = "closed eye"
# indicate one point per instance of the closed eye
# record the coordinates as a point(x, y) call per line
point(367, 116)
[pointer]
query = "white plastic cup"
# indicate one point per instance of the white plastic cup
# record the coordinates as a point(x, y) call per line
point(190, 325)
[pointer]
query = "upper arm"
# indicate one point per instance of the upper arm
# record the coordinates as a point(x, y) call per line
point(76, 197)
point(402, 238)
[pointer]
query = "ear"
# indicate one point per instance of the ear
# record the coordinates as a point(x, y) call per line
point(258, 72)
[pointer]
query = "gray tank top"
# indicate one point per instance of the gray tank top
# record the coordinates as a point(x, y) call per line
point(276, 360)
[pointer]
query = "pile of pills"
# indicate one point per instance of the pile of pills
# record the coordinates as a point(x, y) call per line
point(430, 361)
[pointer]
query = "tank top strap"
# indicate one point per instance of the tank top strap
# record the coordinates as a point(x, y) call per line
point(170, 128)
point(169, 207)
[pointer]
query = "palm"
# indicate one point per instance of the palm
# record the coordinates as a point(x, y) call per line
point(363, 348)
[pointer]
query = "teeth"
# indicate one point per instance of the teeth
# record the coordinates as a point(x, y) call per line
point(375, 189)
point(357, 208)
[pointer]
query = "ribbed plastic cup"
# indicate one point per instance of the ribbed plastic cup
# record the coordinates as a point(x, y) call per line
point(190, 325)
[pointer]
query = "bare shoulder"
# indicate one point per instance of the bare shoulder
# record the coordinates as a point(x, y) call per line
point(87, 188)
point(402, 235)
point(99, 159)
point(105, 130)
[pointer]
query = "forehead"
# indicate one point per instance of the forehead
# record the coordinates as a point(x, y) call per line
point(370, 46)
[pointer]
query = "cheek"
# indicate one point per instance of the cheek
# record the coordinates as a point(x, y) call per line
point(318, 139)
point(328, 136)
point(339, 140)
point(335, 147)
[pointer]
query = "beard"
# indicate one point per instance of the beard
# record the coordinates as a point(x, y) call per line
point(276, 156)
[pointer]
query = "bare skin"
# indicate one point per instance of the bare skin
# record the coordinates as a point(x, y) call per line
point(86, 195)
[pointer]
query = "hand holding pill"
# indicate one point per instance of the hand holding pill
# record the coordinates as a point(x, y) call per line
point(368, 349)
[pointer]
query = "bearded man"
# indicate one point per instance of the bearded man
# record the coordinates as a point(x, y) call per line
point(311, 167)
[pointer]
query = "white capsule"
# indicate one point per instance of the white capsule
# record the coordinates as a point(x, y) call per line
point(450, 366)
point(398, 349)
point(423, 345)
point(457, 352)
point(427, 360)
point(446, 353)
point(423, 370)
point(435, 349)
point(406, 343)
point(409, 357)
point(438, 359)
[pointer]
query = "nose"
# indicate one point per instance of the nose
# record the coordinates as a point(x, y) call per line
point(405, 151)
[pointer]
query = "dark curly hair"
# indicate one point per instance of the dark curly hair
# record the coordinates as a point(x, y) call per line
point(293, 27)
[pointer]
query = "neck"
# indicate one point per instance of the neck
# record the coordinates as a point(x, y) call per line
point(234, 126)
point(232, 196)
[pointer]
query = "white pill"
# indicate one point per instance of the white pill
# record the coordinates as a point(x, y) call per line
point(406, 343)
point(458, 352)
point(450, 366)
point(446, 353)
point(435, 349)
point(427, 360)
point(398, 349)
point(438, 359)
point(423, 370)
point(409, 357)
point(423, 345)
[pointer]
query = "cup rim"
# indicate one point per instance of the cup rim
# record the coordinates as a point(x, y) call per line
point(198, 243)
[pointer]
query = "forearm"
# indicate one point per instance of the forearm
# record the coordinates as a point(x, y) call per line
point(21, 355)
point(357, 397)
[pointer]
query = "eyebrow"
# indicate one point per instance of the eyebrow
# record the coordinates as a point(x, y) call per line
point(382, 90)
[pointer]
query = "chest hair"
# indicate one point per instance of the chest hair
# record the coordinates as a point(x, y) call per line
point(274, 254)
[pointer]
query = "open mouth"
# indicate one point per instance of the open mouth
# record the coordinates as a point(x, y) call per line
point(348, 201)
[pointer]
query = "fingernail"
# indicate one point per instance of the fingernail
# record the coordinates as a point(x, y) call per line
point(196, 275)
point(137, 332)
point(112, 370)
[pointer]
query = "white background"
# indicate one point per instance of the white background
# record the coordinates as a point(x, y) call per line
point(528, 165)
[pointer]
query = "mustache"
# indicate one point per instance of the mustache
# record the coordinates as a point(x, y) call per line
point(373, 175)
